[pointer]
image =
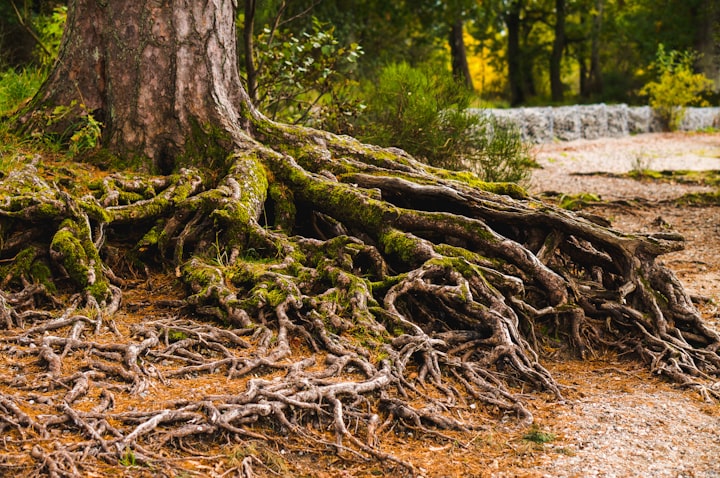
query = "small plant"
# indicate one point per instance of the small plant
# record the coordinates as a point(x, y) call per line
point(50, 29)
point(86, 131)
point(538, 436)
point(128, 458)
point(641, 164)
point(501, 156)
point(676, 87)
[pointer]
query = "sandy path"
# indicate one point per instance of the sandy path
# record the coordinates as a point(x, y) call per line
point(659, 152)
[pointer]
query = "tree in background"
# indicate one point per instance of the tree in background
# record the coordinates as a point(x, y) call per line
point(592, 50)
point(558, 48)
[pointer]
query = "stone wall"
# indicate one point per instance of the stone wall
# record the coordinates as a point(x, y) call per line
point(566, 123)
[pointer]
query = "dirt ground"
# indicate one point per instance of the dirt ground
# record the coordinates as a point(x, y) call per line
point(622, 422)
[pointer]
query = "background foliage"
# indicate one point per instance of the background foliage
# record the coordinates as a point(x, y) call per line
point(393, 72)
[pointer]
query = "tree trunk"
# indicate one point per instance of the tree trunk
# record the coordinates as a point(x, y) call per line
point(706, 40)
point(556, 85)
point(138, 77)
point(327, 286)
point(514, 55)
point(460, 68)
point(248, 37)
point(595, 79)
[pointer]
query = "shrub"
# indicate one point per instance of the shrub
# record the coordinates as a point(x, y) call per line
point(676, 86)
point(427, 115)
point(50, 29)
point(299, 74)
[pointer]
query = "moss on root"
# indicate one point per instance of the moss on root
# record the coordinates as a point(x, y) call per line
point(28, 265)
point(72, 248)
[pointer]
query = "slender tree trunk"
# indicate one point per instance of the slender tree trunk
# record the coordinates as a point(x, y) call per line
point(140, 74)
point(707, 40)
point(595, 82)
point(584, 92)
point(556, 85)
point(458, 53)
point(514, 54)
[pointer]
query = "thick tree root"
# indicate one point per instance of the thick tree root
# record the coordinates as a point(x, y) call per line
point(336, 293)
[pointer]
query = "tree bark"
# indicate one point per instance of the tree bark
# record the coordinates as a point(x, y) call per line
point(514, 54)
point(595, 78)
point(150, 81)
point(556, 85)
point(248, 38)
point(458, 54)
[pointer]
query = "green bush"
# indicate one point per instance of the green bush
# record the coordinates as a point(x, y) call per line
point(300, 75)
point(50, 29)
point(426, 115)
point(18, 85)
point(676, 86)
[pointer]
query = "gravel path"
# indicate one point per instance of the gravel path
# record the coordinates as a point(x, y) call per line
point(561, 163)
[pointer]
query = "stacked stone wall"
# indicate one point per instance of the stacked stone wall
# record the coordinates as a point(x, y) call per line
point(567, 123)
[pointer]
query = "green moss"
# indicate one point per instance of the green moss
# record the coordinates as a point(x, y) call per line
point(575, 202)
point(206, 147)
point(72, 246)
point(699, 199)
point(400, 245)
point(685, 176)
point(41, 273)
point(508, 189)
point(382, 286)
point(176, 335)
point(538, 436)
point(66, 246)
point(151, 238)
point(284, 205)
point(29, 265)
point(344, 202)
point(129, 197)
point(201, 275)
point(95, 211)
point(106, 160)
point(100, 290)
point(236, 216)
point(454, 251)
point(47, 211)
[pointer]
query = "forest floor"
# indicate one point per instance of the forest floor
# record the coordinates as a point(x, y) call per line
point(616, 419)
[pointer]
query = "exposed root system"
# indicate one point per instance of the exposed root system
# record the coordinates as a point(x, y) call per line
point(332, 292)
